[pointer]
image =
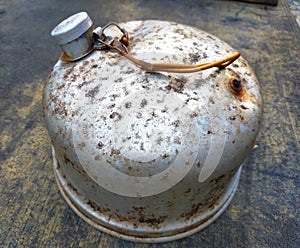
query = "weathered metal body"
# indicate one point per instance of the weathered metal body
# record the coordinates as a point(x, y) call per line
point(145, 156)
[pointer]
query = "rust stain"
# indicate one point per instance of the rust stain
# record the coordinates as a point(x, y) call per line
point(97, 208)
point(194, 210)
point(152, 221)
point(244, 96)
point(235, 86)
point(176, 84)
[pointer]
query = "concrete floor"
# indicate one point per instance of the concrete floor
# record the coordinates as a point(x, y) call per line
point(265, 210)
point(295, 9)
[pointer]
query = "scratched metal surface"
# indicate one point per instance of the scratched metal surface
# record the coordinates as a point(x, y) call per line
point(265, 209)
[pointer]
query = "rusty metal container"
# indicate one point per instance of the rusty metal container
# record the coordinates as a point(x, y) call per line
point(144, 156)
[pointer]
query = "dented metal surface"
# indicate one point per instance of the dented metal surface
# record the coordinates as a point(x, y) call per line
point(152, 156)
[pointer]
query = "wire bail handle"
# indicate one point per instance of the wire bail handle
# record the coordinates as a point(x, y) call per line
point(101, 41)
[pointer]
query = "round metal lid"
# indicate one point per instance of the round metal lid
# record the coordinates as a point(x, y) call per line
point(72, 28)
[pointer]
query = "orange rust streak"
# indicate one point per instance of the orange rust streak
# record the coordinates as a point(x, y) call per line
point(64, 57)
point(245, 96)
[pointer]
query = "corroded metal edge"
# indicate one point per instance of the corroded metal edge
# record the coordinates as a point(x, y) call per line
point(220, 207)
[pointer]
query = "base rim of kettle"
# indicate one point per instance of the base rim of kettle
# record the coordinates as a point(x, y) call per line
point(214, 214)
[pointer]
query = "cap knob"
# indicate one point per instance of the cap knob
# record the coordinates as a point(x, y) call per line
point(74, 35)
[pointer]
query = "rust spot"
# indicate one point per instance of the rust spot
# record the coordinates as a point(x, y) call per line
point(142, 146)
point(121, 218)
point(127, 104)
point(68, 72)
point(60, 107)
point(120, 79)
point(243, 107)
point(193, 115)
point(111, 106)
point(151, 221)
point(115, 152)
point(188, 191)
point(64, 57)
point(181, 32)
point(177, 140)
point(159, 140)
point(236, 87)
point(143, 103)
point(214, 74)
point(115, 116)
point(60, 86)
point(114, 96)
point(81, 145)
point(94, 66)
point(86, 62)
point(176, 84)
point(58, 166)
point(70, 186)
point(210, 37)
point(66, 159)
point(217, 180)
point(92, 93)
point(100, 145)
point(194, 57)
point(176, 123)
point(79, 86)
point(97, 208)
point(165, 155)
point(188, 215)
point(52, 74)
point(73, 77)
